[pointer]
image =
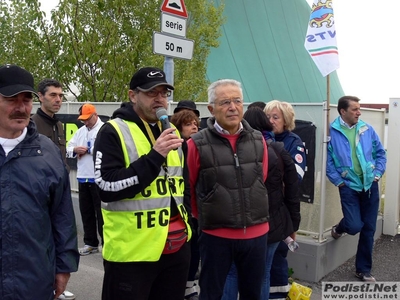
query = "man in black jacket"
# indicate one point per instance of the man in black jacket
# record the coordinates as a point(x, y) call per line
point(50, 97)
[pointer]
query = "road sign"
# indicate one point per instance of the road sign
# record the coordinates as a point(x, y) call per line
point(173, 25)
point(172, 46)
point(174, 7)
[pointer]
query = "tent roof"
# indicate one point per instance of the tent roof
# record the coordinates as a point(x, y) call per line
point(262, 46)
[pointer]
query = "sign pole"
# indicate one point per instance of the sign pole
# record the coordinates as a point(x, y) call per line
point(172, 42)
point(169, 73)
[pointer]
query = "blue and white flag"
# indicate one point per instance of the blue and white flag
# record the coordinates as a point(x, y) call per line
point(320, 40)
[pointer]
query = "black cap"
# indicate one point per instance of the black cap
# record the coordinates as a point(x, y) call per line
point(148, 78)
point(15, 80)
point(186, 104)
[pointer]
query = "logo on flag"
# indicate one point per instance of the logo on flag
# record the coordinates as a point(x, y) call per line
point(320, 40)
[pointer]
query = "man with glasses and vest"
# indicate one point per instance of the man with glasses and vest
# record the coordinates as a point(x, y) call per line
point(141, 175)
point(81, 147)
point(228, 164)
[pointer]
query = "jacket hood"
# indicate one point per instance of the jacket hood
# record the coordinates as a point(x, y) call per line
point(126, 112)
point(32, 132)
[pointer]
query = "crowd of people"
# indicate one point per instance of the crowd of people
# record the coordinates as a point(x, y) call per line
point(178, 211)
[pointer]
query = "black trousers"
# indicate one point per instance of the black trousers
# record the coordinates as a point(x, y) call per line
point(92, 219)
point(195, 252)
point(164, 279)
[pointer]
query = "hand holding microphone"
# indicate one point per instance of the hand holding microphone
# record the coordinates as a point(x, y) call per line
point(166, 141)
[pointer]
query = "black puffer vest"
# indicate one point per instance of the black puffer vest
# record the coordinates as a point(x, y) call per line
point(230, 190)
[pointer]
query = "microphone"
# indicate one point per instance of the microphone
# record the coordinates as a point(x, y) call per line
point(163, 117)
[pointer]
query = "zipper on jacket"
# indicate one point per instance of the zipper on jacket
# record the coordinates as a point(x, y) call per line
point(236, 160)
point(237, 165)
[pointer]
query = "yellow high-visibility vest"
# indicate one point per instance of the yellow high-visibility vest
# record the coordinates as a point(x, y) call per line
point(136, 229)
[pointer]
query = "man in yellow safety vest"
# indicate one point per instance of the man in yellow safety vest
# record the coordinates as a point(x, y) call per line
point(141, 175)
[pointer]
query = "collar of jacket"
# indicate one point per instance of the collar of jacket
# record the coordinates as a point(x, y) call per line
point(46, 117)
point(211, 123)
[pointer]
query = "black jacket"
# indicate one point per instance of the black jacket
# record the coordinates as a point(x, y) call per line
point(38, 233)
point(53, 129)
point(282, 186)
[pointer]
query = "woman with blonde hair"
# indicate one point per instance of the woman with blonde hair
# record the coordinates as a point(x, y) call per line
point(282, 117)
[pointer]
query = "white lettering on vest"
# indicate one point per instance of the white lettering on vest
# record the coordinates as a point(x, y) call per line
point(113, 186)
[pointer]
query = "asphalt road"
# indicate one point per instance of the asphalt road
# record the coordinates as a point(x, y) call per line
point(86, 284)
point(386, 265)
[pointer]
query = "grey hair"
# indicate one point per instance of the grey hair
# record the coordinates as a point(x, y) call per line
point(211, 89)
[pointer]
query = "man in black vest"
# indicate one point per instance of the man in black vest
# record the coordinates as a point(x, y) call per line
point(228, 164)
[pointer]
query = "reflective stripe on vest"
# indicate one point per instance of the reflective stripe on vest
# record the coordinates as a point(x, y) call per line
point(136, 229)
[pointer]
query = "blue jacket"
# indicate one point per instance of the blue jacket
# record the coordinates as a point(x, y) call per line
point(372, 156)
point(37, 224)
point(294, 145)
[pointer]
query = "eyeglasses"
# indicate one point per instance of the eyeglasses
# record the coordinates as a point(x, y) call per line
point(154, 93)
point(274, 117)
point(227, 102)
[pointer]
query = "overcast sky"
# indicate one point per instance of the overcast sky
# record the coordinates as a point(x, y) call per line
point(368, 40)
point(367, 34)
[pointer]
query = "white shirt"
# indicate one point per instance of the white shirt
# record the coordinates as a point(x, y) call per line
point(83, 137)
point(10, 144)
point(224, 131)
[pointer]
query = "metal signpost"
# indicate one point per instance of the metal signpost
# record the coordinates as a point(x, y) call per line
point(171, 41)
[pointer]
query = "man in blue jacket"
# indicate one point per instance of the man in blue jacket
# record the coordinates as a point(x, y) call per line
point(38, 248)
point(356, 162)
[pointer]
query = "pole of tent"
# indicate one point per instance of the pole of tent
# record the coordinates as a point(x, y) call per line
point(326, 139)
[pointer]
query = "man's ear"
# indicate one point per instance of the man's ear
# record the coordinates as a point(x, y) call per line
point(132, 96)
point(211, 109)
point(40, 96)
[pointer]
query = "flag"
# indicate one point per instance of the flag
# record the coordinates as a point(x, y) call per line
point(320, 40)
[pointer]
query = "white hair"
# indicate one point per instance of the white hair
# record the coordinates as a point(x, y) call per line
point(211, 89)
